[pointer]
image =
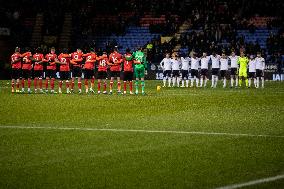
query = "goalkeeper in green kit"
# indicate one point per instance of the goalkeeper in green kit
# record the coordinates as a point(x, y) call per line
point(139, 69)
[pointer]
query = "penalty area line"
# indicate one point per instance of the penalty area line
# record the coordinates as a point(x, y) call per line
point(254, 182)
point(144, 131)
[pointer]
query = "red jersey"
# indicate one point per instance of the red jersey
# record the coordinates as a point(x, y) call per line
point(18, 64)
point(64, 58)
point(90, 61)
point(77, 56)
point(27, 62)
point(39, 58)
point(50, 57)
point(116, 58)
point(103, 64)
point(128, 64)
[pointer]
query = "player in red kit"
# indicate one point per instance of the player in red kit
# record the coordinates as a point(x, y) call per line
point(89, 70)
point(27, 69)
point(128, 62)
point(16, 62)
point(64, 61)
point(38, 69)
point(50, 70)
point(77, 57)
point(115, 60)
point(102, 71)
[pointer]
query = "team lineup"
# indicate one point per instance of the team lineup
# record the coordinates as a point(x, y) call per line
point(28, 66)
point(242, 68)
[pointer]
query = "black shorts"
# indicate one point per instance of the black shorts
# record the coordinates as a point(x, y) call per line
point(88, 74)
point(26, 74)
point(127, 76)
point(204, 72)
point(223, 73)
point(38, 73)
point(184, 74)
point(234, 71)
point(64, 75)
point(194, 73)
point(175, 73)
point(259, 73)
point(102, 75)
point(16, 73)
point(76, 71)
point(115, 74)
point(215, 71)
point(50, 73)
point(251, 74)
point(167, 73)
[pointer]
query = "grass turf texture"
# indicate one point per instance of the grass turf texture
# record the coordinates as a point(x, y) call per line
point(42, 158)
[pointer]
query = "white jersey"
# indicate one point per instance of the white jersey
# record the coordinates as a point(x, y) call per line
point(194, 63)
point(166, 64)
point(215, 61)
point(204, 62)
point(175, 64)
point(260, 63)
point(185, 63)
point(224, 63)
point(252, 65)
point(234, 61)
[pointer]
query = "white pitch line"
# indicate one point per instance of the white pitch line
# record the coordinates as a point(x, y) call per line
point(143, 131)
point(254, 182)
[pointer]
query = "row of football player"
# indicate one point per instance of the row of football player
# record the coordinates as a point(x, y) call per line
point(241, 67)
point(131, 63)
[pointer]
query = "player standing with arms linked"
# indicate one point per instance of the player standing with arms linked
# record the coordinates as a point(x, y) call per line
point(38, 69)
point(185, 61)
point(260, 67)
point(243, 63)
point(89, 70)
point(27, 69)
point(204, 61)
point(251, 74)
point(16, 62)
point(102, 71)
point(115, 60)
point(50, 70)
point(224, 66)
point(234, 68)
point(128, 63)
point(166, 65)
point(215, 60)
point(77, 57)
point(140, 69)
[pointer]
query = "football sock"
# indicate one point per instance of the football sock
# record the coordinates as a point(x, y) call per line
point(52, 83)
point(118, 86)
point(79, 85)
point(164, 81)
point(262, 82)
point(23, 83)
point(35, 83)
point(143, 86)
point(29, 83)
point(201, 82)
point(46, 83)
point(187, 82)
point(246, 80)
point(110, 85)
point(40, 83)
point(130, 85)
point(124, 85)
point(99, 85)
point(136, 86)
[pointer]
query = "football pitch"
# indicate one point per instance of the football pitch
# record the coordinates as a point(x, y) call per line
point(175, 138)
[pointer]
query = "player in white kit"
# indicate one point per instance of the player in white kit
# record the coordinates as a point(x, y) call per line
point(194, 69)
point(215, 60)
point(252, 70)
point(166, 64)
point(176, 64)
point(204, 61)
point(185, 61)
point(234, 69)
point(224, 67)
point(260, 66)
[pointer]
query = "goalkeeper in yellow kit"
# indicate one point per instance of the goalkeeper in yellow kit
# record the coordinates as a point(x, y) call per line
point(243, 63)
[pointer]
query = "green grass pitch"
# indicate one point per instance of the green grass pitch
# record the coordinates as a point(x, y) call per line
point(82, 158)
